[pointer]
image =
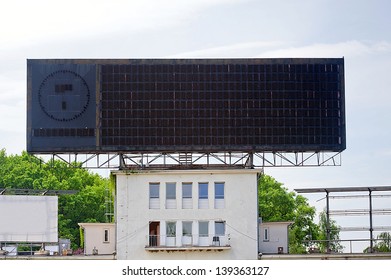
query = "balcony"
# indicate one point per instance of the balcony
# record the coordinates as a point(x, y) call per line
point(157, 243)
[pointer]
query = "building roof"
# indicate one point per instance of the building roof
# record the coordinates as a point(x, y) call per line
point(277, 223)
point(186, 171)
point(83, 225)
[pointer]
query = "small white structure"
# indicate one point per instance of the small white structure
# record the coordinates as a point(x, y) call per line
point(187, 214)
point(99, 238)
point(273, 237)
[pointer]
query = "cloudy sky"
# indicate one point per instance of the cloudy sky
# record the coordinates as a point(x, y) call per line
point(357, 30)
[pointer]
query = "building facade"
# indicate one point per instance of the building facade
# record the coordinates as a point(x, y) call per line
point(273, 237)
point(187, 214)
point(99, 238)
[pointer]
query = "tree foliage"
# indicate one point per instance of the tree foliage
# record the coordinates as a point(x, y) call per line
point(334, 246)
point(275, 202)
point(383, 244)
point(87, 205)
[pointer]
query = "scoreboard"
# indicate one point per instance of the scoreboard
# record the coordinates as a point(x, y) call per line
point(185, 105)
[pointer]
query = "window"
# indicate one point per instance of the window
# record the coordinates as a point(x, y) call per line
point(187, 228)
point(219, 195)
point(187, 233)
point(203, 229)
point(106, 238)
point(170, 195)
point(219, 190)
point(203, 202)
point(187, 196)
point(219, 228)
point(170, 191)
point(153, 190)
point(203, 190)
point(170, 233)
point(187, 190)
point(266, 234)
point(171, 229)
point(154, 202)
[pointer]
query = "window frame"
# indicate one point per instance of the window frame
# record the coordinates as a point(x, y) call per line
point(170, 229)
point(185, 228)
point(200, 185)
point(200, 234)
point(170, 186)
point(219, 196)
point(190, 185)
point(154, 184)
point(217, 232)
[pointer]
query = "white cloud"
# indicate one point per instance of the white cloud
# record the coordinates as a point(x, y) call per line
point(245, 49)
point(340, 49)
point(276, 49)
point(29, 22)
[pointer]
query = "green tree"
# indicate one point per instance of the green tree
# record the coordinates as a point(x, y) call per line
point(335, 246)
point(87, 205)
point(304, 229)
point(382, 245)
point(276, 203)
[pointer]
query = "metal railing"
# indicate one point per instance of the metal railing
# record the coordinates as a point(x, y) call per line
point(193, 240)
point(359, 245)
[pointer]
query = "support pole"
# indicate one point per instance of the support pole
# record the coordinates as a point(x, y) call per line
point(250, 161)
point(328, 222)
point(122, 164)
point(370, 222)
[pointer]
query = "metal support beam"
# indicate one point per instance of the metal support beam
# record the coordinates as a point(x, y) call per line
point(370, 222)
point(250, 161)
point(205, 160)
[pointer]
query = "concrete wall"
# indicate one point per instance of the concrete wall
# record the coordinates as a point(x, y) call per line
point(239, 212)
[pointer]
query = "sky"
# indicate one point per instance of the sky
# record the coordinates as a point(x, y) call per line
point(357, 30)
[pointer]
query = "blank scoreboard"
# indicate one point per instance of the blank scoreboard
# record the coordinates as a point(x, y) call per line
point(186, 105)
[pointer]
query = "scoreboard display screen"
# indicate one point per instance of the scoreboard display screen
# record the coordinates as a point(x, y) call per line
point(185, 105)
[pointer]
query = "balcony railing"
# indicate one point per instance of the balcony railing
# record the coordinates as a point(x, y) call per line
point(187, 241)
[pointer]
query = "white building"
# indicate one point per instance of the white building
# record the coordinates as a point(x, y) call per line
point(187, 214)
point(99, 238)
point(273, 237)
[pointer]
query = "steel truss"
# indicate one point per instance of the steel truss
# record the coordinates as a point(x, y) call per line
point(208, 160)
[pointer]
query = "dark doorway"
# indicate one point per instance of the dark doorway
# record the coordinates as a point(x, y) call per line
point(154, 229)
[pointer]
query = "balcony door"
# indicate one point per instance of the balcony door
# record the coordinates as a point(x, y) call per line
point(154, 230)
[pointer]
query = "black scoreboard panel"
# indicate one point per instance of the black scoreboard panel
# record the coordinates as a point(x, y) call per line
point(195, 105)
point(61, 106)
